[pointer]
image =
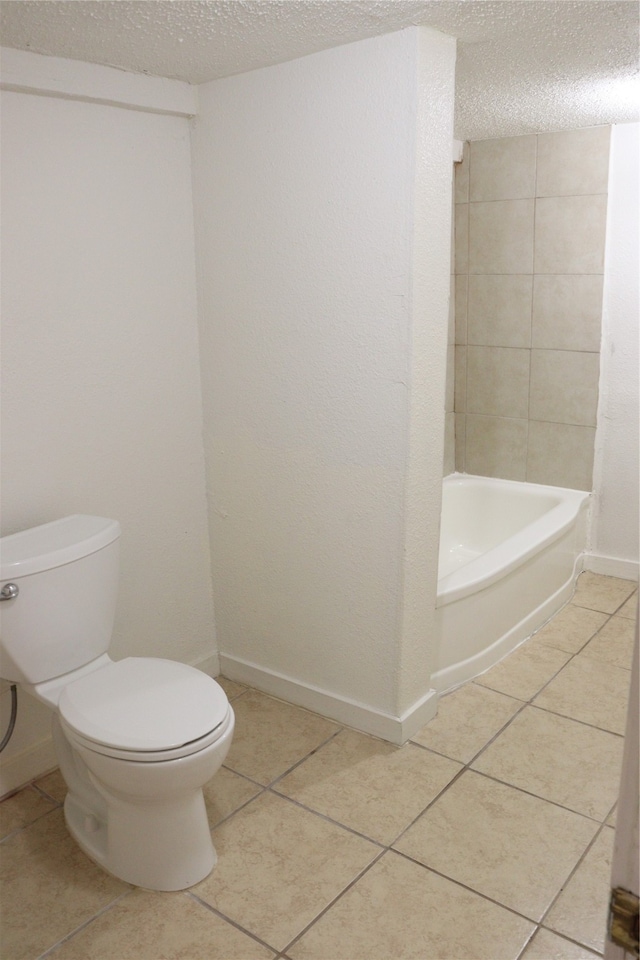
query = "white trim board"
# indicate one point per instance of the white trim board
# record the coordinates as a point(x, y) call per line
point(357, 715)
point(24, 767)
point(26, 72)
point(611, 566)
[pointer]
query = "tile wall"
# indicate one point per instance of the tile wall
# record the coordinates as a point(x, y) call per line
point(530, 216)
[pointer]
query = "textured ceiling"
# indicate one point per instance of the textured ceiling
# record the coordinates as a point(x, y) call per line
point(523, 65)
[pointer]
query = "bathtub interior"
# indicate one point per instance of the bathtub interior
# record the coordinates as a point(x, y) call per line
point(478, 515)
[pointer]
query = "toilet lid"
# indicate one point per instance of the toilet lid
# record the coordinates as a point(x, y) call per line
point(143, 703)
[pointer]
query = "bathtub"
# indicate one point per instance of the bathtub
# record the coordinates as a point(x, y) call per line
point(509, 556)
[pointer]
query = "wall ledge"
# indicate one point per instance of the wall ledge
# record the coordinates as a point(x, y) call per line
point(25, 72)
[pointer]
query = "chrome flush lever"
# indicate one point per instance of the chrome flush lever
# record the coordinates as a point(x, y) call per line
point(9, 591)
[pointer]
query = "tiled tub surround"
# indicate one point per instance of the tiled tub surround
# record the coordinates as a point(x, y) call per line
point(489, 835)
point(530, 217)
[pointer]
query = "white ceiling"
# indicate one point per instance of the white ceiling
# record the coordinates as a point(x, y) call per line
point(523, 65)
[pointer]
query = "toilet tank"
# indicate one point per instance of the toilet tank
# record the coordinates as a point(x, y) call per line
point(62, 617)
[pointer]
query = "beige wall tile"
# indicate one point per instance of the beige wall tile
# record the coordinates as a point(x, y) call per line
point(451, 330)
point(449, 465)
point(462, 237)
point(498, 381)
point(461, 177)
point(460, 390)
point(503, 169)
point(497, 447)
point(564, 386)
point(461, 433)
point(499, 311)
point(450, 384)
point(501, 236)
point(569, 234)
point(462, 286)
point(561, 455)
point(567, 312)
point(573, 162)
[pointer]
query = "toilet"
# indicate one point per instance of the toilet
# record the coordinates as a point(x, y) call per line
point(136, 739)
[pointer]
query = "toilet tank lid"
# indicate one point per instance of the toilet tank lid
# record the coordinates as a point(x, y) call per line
point(54, 544)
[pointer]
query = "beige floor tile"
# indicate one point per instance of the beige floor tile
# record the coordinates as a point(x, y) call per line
point(146, 926)
point(279, 866)
point(21, 809)
point(601, 593)
point(613, 817)
point(369, 785)
point(548, 946)
point(270, 736)
point(524, 671)
point(630, 608)
point(483, 833)
point(225, 793)
point(591, 691)
point(557, 759)
point(614, 643)
point(581, 910)
point(49, 887)
point(571, 628)
point(467, 719)
point(400, 910)
point(53, 785)
point(231, 688)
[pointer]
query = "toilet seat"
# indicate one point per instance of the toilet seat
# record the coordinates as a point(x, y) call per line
point(144, 709)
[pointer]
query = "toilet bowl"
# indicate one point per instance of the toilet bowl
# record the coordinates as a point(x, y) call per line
point(136, 739)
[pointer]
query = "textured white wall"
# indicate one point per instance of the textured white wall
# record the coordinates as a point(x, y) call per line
point(614, 531)
point(310, 183)
point(101, 392)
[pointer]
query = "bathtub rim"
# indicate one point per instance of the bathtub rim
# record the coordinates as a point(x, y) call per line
point(492, 566)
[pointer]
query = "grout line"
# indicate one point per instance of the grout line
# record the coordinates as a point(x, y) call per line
point(339, 896)
point(25, 826)
point(229, 920)
point(83, 926)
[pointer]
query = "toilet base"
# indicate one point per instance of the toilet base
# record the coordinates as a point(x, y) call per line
point(160, 846)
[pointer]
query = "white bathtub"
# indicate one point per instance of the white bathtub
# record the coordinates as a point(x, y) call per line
point(509, 556)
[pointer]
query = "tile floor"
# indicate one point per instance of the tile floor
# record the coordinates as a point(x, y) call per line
point(489, 835)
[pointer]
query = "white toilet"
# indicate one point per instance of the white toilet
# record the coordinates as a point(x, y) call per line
point(136, 739)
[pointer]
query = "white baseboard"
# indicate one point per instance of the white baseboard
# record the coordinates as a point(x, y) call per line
point(357, 715)
point(33, 762)
point(209, 665)
point(611, 566)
